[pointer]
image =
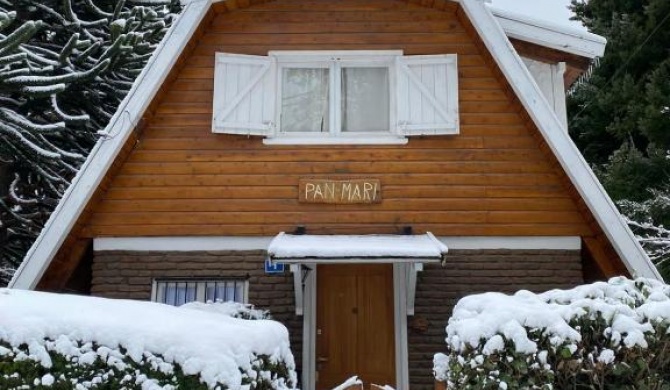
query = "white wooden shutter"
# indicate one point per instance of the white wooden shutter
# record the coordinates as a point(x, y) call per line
point(549, 77)
point(244, 94)
point(427, 94)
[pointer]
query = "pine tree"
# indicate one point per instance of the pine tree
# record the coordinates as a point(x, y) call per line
point(620, 117)
point(624, 101)
point(65, 65)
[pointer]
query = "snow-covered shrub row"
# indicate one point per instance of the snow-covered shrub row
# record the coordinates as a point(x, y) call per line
point(72, 342)
point(612, 335)
point(231, 309)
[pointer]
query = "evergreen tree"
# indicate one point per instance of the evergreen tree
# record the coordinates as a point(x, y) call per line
point(620, 117)
point(65, 65)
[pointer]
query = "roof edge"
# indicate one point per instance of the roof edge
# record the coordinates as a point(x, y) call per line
point(617, 231)
point(103, 154)
point(551, 35)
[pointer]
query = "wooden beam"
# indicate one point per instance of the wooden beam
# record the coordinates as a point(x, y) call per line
point(599, 254)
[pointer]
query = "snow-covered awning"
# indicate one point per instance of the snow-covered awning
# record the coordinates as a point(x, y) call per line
point(288, 248)
point(412, 250)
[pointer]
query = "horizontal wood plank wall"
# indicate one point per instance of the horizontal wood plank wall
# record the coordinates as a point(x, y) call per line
point(492, 179)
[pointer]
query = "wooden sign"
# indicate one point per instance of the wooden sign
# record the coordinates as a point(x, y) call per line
point(340, 191)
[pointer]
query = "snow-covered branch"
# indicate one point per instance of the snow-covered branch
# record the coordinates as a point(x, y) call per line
point(65, 65)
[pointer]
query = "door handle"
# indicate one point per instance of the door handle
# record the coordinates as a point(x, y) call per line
point(322, 360)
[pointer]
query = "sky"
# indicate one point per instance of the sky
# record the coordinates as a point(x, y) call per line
point(555, 11)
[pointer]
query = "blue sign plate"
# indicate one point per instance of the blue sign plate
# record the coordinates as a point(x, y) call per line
point(273, 268)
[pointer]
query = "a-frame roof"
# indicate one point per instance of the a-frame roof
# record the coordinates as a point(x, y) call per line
point(490, 30)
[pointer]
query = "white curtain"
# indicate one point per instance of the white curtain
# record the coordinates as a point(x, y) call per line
point(365, 99)
point(305, 100)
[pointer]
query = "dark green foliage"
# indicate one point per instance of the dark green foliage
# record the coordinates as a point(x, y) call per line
point(65, 65)
point(629, 169)
point(626, 98)
point(620, 117)
point(67, 372)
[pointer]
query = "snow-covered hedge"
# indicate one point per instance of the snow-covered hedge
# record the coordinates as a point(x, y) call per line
point(59, 341)
point(610, 335)
point(230, 309)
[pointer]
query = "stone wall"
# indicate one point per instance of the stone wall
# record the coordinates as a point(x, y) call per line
point(120, 274)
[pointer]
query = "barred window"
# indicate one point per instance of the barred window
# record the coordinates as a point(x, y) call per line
point(180, 291)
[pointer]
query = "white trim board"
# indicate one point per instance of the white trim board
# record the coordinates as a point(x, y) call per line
point(108, 147)
point(520, 243)
point(241, 243)
point(620, 236)
point(181, 244)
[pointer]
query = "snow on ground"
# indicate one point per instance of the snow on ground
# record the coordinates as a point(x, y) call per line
point(217, 347)
point(353, 381)
point(631, 306)
point(230, 309)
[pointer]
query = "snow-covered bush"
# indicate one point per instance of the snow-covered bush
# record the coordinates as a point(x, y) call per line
point(231, 309)
point(72, 342)
point(610, 335)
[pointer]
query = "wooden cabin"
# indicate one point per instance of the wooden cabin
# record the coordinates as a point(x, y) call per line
point(353, 166)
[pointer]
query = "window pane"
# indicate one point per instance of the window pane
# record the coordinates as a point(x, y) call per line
point(230, 291)
point(160, 292)
point(171, 294)
point(221, 292)
point(305, 100)
point(365, 99)
point(181, 294)
point(190, 292)
point(239, 291)
point(210, 295)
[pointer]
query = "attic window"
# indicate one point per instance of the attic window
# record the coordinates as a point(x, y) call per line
point(344, 97)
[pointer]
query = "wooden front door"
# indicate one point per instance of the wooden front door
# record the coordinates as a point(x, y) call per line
point(355, 324)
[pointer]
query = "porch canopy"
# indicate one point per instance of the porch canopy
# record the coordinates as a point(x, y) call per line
point(293, 249)
point(408, 251)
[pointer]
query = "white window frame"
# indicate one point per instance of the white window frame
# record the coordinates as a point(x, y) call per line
point(423, 95)
point(200, 292)
point(335, 61)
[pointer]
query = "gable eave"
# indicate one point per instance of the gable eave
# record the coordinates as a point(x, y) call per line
point(108, 147)
point(550, 35)
point(582, 177)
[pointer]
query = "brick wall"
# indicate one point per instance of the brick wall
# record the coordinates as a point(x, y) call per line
point(471, 272)
point(129, 275)
point(118, 274)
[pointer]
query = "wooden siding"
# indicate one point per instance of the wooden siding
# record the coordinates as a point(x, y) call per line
point(492, 179)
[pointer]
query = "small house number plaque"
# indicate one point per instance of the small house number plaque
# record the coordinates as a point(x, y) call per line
point(340, 191)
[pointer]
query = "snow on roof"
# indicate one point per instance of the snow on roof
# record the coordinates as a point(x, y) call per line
point(548, 34)
point(287, 246)
point(215, 346)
